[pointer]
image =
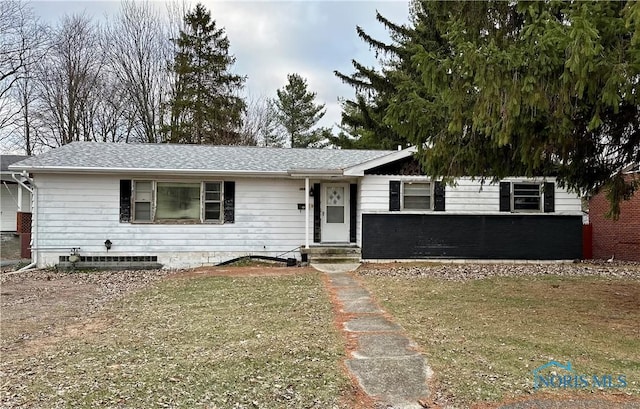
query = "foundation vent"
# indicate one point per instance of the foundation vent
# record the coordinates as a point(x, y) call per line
point(111, 262)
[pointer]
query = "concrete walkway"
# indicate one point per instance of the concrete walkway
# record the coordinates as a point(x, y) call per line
point(385, 363)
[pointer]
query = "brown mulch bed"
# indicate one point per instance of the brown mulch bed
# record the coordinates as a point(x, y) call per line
point(244, 271)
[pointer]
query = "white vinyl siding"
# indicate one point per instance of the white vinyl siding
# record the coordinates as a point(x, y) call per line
point(466, 197)
point(83, 211)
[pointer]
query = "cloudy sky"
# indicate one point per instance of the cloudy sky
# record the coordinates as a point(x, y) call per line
point(273, 38)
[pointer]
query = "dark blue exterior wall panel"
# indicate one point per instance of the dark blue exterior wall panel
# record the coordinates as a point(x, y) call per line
point(508, 236)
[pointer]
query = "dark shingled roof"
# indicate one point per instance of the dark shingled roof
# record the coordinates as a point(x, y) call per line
point(6, 160)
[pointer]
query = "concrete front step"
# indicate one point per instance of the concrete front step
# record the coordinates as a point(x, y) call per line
point(333, 250)
point(333, 260)
point(333, 254)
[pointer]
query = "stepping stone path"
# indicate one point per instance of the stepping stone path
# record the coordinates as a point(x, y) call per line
point(386, 363)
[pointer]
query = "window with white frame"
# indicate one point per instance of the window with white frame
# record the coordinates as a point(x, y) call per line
point(416, 196)
point(142, 200)
point(212, 201)
point(171, 201)
point(526, 197)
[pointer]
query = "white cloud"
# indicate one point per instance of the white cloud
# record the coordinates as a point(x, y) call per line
point(271, 39)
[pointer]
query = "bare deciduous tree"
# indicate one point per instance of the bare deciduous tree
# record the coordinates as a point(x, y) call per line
point(138, 50)
point(13, 42)
point(24, 95)
point(21, 39)
point(260, 123)
point(68, 79)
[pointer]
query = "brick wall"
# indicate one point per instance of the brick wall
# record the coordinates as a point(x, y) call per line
point(620, 238)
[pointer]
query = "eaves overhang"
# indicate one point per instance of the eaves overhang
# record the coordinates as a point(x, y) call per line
point(302, 173)
point(147, 171)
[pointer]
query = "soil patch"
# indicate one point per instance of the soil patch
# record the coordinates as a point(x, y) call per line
point(39, 307)
point(242, 271)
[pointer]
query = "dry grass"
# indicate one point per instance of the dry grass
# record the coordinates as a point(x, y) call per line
point(483, 337)
point(228, 342)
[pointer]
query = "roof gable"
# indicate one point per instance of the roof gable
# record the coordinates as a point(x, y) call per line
point(409, 166)
point(392, 156)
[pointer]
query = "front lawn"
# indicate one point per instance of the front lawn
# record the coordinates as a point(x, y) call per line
point(483, 337)
point(209, 342)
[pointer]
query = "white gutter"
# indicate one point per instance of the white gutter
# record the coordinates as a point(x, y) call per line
point(194, 172)
point(305, 173)
point(65, 169)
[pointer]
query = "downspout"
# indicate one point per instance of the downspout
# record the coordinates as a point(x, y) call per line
point(20, 199)
point(306, 213)
point(34, 198)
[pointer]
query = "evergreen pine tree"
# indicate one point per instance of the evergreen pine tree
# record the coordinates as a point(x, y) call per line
point(363, 118)
point(527, 88)
point(496, 88)
point(272, 133)
point(205, 108)
point(297, 113)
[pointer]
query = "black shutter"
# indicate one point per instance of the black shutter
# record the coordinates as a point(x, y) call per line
point(438, 197)
point(229, 202)
point(549, 197)
point(353, 209)
point(394, 195)
point(125, 201)
point(505, 196)
point(316, 213)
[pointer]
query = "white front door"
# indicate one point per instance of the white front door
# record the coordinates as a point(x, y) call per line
point(335, 212)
